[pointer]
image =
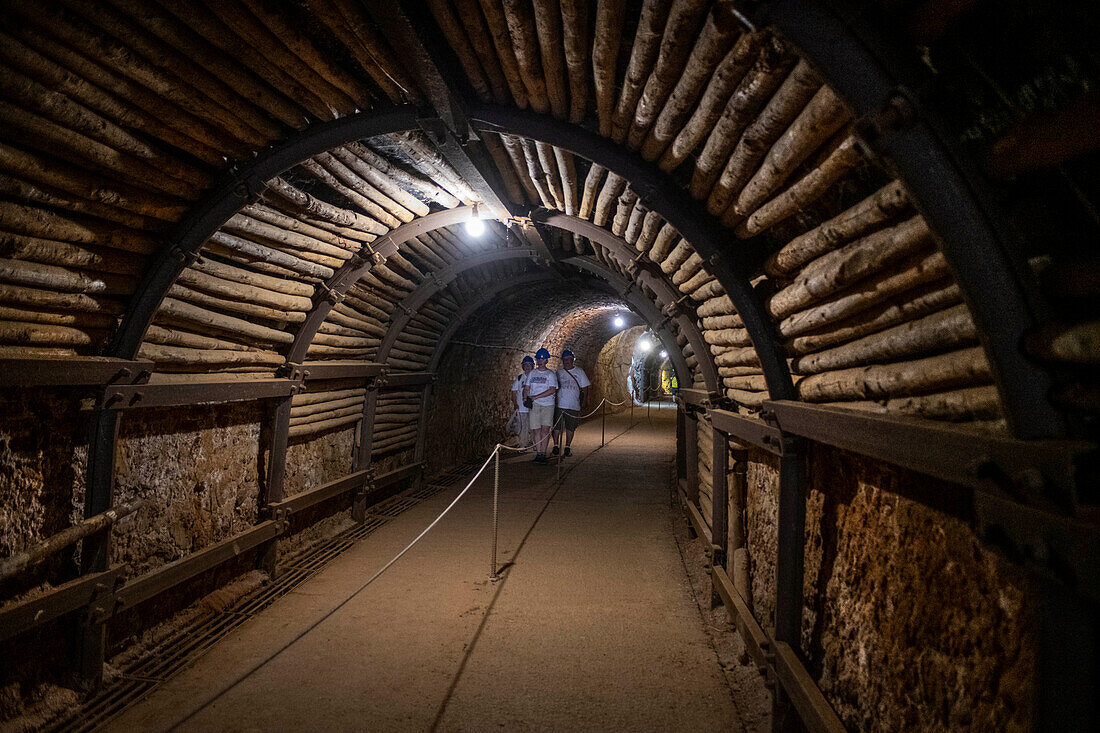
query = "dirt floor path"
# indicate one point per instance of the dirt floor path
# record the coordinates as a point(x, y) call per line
point(592, 627)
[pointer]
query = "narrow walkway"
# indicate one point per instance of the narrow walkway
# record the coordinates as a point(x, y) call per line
point(592, 626)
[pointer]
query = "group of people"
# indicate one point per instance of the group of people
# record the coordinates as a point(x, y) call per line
point(549, 402)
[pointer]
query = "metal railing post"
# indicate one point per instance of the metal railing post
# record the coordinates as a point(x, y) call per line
point(496, 494)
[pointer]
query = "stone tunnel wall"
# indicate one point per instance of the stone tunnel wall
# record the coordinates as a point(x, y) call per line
point(910, 623)
point(471, 403)
point(613, 367)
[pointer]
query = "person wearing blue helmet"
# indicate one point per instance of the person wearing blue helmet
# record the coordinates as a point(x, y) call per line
point(523, 413)
point(541, 386)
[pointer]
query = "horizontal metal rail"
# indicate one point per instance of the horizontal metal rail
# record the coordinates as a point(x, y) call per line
point(170, 394)
point(352, 482)
point(72, 371)
point(406, 379)
point(316, 371)
point(72, 596)
point(747, 430)
point(697, 522)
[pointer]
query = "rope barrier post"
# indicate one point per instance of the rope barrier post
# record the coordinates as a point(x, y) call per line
point(496, 493)
point(603, 424)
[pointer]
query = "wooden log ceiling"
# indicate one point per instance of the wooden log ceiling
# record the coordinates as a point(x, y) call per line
point(119, 116)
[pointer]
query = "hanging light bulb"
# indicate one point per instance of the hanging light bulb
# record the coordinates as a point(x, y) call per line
point(664, 354)
point(619, 322)
point(643, 344)
point(475, 227)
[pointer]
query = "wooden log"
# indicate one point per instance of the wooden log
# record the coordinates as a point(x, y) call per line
point(651, 227)
point(876, 209)
point(32, 193)
point(34, 298)
point(636, 222)
point(216, 268)
point(970, 403)
point(248, 292)
point(178, 311)
point(947, 330)
point(1077, 343)
point(389, 178)
point(777, 116)
point(301, 431)
point(719, 306)
point(710, 48)
point(45, 224)
point(1047, 138)
point(521, 29)
point(677, 42)
point(752, 400)
point(728, 337)
point(609, 195)
point(605, 53)
point(74, 319)
point(803, 192)
point(456, 35)
point(514, 148)
point(678, 256)
point(963, 368)
point(504, 165)
point(235, 306)
point(703, 290)
point(574, 15)
point(914, 304)
point(175, 337)
point(568, 173)
point(835, 270)
point(44, 334)
point(823, 116)
point(548, 166)
point(688, 268)
point(738, 357)
point(714, 323)
point(663, 243)
point(1077, 396)
point(754, 89)
point(335, 175)
point(21, 272)
point(918, 270)
point(435, 166)
point(738, 371)
point(34, 352)
point(643, 56)
point(536, 173)
point(750, 382)
point(340, 237)
point(171, 355)
point(325, 395)
point(623, 210)
point(591, 187)
point(331, 414)
point(713, 100)
point(548, 23)
point(255, 252)
point(50, 252)
point(482, 43)
point(314, 207)
point(498, 29)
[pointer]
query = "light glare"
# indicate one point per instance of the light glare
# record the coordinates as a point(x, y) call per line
point(619, 322)
point(664, 354)
point(643, 344)
point(475, 227)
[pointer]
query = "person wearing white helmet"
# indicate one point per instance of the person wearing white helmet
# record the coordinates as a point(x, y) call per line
point(541, 386)
point(573, 387)
point(523, 413)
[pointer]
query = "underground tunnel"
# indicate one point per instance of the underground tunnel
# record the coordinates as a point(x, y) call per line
point(268, 271)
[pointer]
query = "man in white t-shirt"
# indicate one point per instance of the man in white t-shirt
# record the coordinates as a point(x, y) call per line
point(522, 413)
point(541, 386)
point(572, 395)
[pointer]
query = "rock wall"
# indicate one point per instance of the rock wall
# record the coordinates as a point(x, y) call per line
point(910, 623)
point(613, 367)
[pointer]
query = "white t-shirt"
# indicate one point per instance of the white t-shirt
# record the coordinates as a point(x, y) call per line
point(541, 380)
point(570, 382)
point(517, 390)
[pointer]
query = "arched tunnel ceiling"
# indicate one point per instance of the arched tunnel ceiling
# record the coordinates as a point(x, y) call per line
point(696, 126)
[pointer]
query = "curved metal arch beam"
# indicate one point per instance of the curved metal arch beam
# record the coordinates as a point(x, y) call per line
point(663, 195)
point(334, 290)
point(238, 188)
point(432, 284)
point(650, 276)
point(878, 83)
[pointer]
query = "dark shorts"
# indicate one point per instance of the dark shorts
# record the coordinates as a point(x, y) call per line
point(568, 420)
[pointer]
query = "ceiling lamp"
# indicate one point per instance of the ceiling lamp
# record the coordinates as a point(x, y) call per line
point(664, 354)
point(475, 227)
point(643, 344)
point(619, 322)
